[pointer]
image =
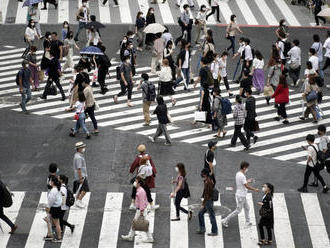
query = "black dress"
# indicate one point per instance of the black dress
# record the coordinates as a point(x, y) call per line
point(268, 220)
point(150, 37)
point(206, 105)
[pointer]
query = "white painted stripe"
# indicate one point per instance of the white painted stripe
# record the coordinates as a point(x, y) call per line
point(21, 14)
point(111, 220)
point(4, 7)
point(17, 55)
point(8, 46)
point(77, 217)
point(266, 12)
point(225, 11)
point(282, 226)
point(141, 236)
point(179, 229)
point(144, 6)
point(166, 13)
point(214, 241)
point(287, 13)
point(104, 13)
point(63, 11)
point(317, 230)
point(43, 15)
point(12, 51)
point(211, 19)
point(249, 235)
point(153, 130)
point(12, 214)
point(39, 226)
point(291, 156)
point(125, 13)
point(247, 13)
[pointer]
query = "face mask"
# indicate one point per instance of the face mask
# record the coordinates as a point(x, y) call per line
point(83, 150)
point(32, 24)
point(57, 171)
point(203, 10)
point(124, 41)
point(84, 4)
point(264, 189)
point(176, 169)
point(151, 12)
point(66, 25)
point(134, 184)
point(246, 170)
point(234, 19)
point(49, 37)
point(127, 61)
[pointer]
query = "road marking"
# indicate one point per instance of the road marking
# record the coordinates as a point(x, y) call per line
point(144, 6)
point(4, 7)
point(125, 13)
point(21, 14)
point(247, 13)
point(12, 51)
point(287, 13)
point(39, 226)
point(249, 235)
point(282, 226)
point(105, 13)
point(225, 10)
point(179, 229)
point(316, 226)
point(77, 217)
point(211, 19)
point(43, 15)
point(111, 220)
point(166, 13)
point(266, 12)
point(12, 214)
point(63, 11)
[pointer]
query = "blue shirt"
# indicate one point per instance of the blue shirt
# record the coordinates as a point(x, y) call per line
point(25, 74)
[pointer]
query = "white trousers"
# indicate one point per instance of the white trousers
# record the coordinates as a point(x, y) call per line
point(241, 203)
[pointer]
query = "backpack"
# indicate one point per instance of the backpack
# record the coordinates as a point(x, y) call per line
point(185, 190)
point(226, 106)
point(320, 159)
point(209, 79)
point(69, 198)
point(287, 47)
point(151, 92)
point(209, 55)
point(17, 76)
point(6, 199)
point(149, 171)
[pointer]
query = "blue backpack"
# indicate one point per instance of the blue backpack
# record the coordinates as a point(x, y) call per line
point(226, 106)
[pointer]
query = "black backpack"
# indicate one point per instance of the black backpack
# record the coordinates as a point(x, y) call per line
point(69, 198)
point(17, 76)
point(6, 199)
point(151, 92)
point(185, 190)
point(287, 47)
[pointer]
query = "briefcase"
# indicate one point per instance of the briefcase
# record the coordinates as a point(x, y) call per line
point(140, 224)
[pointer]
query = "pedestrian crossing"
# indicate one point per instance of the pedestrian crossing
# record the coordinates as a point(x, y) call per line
point(252, 12)
point(116, 221)
point(276, 140)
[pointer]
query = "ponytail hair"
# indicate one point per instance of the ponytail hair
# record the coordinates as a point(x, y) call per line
point(271, 188)
point(56, 182)
point(64, 179)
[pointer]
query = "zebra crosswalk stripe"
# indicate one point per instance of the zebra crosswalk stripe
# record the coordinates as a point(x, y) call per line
point(21, 13)
point(63, 11)
point(248, 15)
point(179, 229)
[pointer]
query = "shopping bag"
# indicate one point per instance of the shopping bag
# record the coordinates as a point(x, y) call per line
point(140, 224)
point(200, 116)
point(96, 106)
point(268, 90)
point(41, 75)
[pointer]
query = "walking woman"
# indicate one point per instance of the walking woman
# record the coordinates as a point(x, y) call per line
point(219, 117)
point(150, 18)
point(223, 71)
point(273, 77)
point(281, 96)
point(214, 7)
point(71, 44)
point(80, 116)
point(200, 23)
point(64, 191)
point(310, 96)
point(166, 82)
point(282, 31)
point(231, 32)
point(267, 214)
point(257, 72)
point(65, 30)
point(140, 23)
point(34, 68)
point(205, 104)
point(215, 71)
point(54, 209)
point(168, 51)
point(178, 192)
point(29, 37)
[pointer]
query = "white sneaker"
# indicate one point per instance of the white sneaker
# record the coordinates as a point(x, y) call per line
point(80, 204)
point(151, 139)
point(225, 223)
point(248, 224)
point(149, 240)
point(116, 6)
point(154, 207)
point(127, 237)
point(132, 207)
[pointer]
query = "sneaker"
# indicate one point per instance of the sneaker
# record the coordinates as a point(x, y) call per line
point(13, 229)
point(116, 6)
point(212, 234)
point(149, 240)
point(146, 124)
point(167, 143)
point(248, 224)
point(285, 122)
point(255, 139)
point(129, 104)
point(88, 136)
point(303, 190)
point(200, 232)
point(94, 85)
point(80, 204)
point(48, 238)
point(315, 122)
point(225, 223)
point(247, 148)
point(325, 189)
point(151, 139)
point(132, 207)
point(154, 207)
point(190, 213)
point(277, 118)
point(302, 118)
point(72, 227)
point(55, 240)
point(43, 97)
point(127, 237)
point(44, 8)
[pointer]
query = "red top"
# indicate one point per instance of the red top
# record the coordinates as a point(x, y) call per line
point(135, 167)
point(281, 94)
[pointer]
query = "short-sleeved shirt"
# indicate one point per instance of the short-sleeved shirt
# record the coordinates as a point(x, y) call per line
point(311, 152)
point(79, 107)
point(258, 64)
point(79, 163)
point(203, 74)
point(126, 69)
point(55, 48)
point(223, 68)
point(241, 190)
point(323, 144)
point(25, 74)
point(53, 68)
point(318, 49)
point(315, 62)
point(32, 57)
point(209, 158)
point(326, 45)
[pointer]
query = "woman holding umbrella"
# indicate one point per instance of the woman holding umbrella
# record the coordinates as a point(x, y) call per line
point(150, 18)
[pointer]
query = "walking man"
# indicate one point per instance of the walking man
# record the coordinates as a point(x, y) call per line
point(83, 18)
point(144, 85)
point(209, 160)
point(242, 187)
point(207, 205)
point(250, 120)
point(24, 82)
point(215, 8)
point(80, 185)
point(90, 104)
point(186, 25)
point(2, 215)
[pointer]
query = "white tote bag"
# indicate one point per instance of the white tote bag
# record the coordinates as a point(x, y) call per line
point(200, 115)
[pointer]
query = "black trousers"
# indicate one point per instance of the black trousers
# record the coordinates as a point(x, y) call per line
point(262, 233)
point(62, 221)
point(105, 1)
point(91, 114)
point(177, 202)
point(49, 1)
point(248, 124)
point(184, 28)
point(238, 134)
point(5, 218)
point(244, 67)
point(58, 85)
point(214, 8)
point(126, 89)
point(146, 189)
point(316, 172)
point(326, 64)
point(281, 110)
point(102, 73)
point(225, 80)
point(294, 74)
point(318, 10)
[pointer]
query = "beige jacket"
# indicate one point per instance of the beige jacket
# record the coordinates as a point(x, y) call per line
point(88, 92)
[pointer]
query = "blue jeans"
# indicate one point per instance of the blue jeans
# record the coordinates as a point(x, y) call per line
point(186, 74)
point(208, 208)
point(232, 44)
point(80, 27)
point(26, 96)
point(81, 123)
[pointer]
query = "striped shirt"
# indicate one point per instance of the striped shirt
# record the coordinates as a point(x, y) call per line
point(239, 114)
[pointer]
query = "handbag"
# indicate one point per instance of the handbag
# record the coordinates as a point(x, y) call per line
point(268, 90)
point(96, 106)
point(140, 224)
point(263, 212)
point(215, 195)
point(255, 126)
point(41, 75)
point(200, 116)
point(52, 90)
point(311, 96)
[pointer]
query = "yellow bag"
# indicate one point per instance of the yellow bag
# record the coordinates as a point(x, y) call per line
point(268, 90)
point(41, 75)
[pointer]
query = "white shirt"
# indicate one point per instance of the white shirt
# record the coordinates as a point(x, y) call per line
point(315, 62)
point(54, 198)
point(85, 19)
point(241, 190)
point(223, 68)
point(64, 193)
point(248, 53)
point(30, 33)
point(318, 48)
point(96, 38)
point(295, 55)
point(79, 107)
point(165, 74)
point(258, 64)
point(312, 153)
point(186, 61)
point(326, 45)
point(201, 16)
point(241, 49)
point(215, 69)
point(281, 46)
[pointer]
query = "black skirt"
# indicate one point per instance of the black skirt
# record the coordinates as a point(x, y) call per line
point(55, 212)
point(166, 88)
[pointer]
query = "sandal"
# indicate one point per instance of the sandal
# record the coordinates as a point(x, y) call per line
point(216, 136)
point(261, 242)
point(268, 242)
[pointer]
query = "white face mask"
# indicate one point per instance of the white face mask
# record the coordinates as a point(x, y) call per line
point(124, 41)
point(66, 25)
point(32, 24)
point(176, 169)
point(84, 4)
point(246, 170)
point(134, 184)
point(127, 61)
point(83, 150)
point(264, 189)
